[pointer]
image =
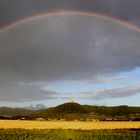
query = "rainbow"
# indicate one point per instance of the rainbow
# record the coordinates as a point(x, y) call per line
point(69, 12)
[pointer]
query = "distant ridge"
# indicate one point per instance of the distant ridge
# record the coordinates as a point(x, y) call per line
point(10, 112)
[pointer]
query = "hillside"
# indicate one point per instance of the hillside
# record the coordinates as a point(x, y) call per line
point(76, 111)
point(113, 111)
point(63, 111)
point(11, 112)
point(72, 110)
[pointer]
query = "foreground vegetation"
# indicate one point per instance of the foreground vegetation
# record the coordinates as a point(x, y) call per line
point(22, 134)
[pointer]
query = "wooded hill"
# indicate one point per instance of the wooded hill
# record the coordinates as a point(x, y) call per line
point(71, 110)
point(8, 112)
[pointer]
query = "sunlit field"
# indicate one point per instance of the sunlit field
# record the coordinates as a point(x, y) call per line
point(67, 125)
point(68, 130)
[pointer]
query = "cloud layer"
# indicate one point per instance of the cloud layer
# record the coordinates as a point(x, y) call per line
point(63, 47)
point(121, 92)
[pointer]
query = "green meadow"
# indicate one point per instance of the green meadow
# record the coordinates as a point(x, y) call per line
point(60, 134)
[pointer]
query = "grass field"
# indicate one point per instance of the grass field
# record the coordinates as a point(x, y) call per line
point(59, 134)
point(5, 124)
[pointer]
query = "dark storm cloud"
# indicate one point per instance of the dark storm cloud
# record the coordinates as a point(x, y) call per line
point(11, 10)
point(68, 47)
point(63, 47)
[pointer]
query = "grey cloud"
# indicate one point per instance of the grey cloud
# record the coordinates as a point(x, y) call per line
point(14, 10)
point(28, 92)
point(107, 79)
point(17, 93)
point(120, 92)
point(63, 47)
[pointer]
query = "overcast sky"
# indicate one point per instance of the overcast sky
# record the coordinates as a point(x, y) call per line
point(67, 50)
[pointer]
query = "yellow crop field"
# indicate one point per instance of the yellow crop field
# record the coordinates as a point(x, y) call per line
point(67, 125)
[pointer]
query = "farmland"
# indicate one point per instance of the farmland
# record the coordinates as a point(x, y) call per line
point(67, 125)
point(70, 121)
point(68, 130)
